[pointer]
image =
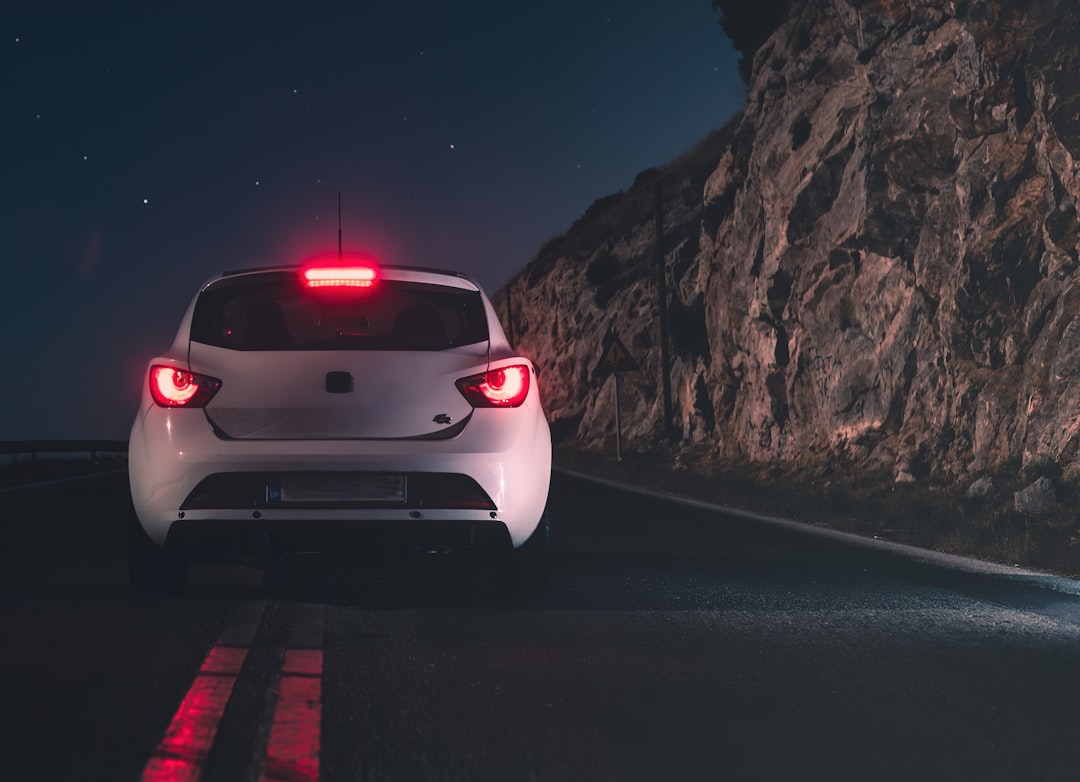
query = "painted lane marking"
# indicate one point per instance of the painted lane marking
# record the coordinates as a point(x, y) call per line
point(307, 629)
point(292, 754)
point(243, 623)
point(181, 754)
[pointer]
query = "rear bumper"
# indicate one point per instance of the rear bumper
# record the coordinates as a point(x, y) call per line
point(263, 540)
point(507, 453)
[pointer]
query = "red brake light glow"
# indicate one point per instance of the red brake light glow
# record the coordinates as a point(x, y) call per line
point(339, 276)
point(172, 387)
point(502, 387)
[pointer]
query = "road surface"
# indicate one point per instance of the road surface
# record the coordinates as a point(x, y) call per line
point(675, 643)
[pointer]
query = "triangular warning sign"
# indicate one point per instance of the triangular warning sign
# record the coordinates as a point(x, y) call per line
point(614, 357)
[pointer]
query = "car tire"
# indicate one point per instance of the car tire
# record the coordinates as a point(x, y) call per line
point(150, 570)
point(527, 571)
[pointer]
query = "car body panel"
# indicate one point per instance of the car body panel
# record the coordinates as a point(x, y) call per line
point(506, 451)
point(283, 395)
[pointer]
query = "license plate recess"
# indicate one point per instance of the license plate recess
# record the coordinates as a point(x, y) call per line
point(343, 487)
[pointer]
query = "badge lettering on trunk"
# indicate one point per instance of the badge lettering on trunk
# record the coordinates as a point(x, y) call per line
point(441, 418)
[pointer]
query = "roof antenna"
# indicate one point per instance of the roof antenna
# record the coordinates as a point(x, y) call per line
point(340, 253)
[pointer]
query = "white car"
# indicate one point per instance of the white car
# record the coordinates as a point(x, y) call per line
point(336, 407)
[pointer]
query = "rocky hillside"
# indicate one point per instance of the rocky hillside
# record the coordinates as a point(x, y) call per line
point(875, 264)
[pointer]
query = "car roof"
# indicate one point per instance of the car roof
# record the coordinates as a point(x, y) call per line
point(390, 272)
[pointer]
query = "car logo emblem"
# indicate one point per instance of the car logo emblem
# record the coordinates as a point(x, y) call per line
point(441, 418)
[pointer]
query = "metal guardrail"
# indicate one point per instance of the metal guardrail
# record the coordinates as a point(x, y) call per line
point(35, 447)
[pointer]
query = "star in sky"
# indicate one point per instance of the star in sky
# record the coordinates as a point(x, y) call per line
point(408, 200)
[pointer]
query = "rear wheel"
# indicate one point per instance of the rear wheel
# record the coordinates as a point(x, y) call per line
point(150, 570)
point(527, 571)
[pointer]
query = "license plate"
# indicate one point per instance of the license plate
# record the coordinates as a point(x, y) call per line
point(344, 487)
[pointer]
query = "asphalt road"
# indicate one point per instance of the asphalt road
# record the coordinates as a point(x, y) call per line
point(675, 644)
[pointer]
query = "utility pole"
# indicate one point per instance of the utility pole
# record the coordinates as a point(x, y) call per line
point(661, 290)
point(510, 311)
point(618, 421)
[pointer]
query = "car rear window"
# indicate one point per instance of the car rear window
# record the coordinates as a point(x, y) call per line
point(273, 311)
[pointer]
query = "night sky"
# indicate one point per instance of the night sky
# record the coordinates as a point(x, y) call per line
point(143, 154)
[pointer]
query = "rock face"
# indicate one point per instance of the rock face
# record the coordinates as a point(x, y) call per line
point(1036, 499)
point(875, 265)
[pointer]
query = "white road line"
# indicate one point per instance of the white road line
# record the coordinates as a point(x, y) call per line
point(181, 754)
point(292, 753)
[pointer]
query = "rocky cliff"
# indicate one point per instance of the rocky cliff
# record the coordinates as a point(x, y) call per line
point(874, 265)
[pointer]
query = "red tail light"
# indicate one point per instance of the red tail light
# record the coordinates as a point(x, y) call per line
point(339, 276)
point(172, 387)
point(502, 387)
